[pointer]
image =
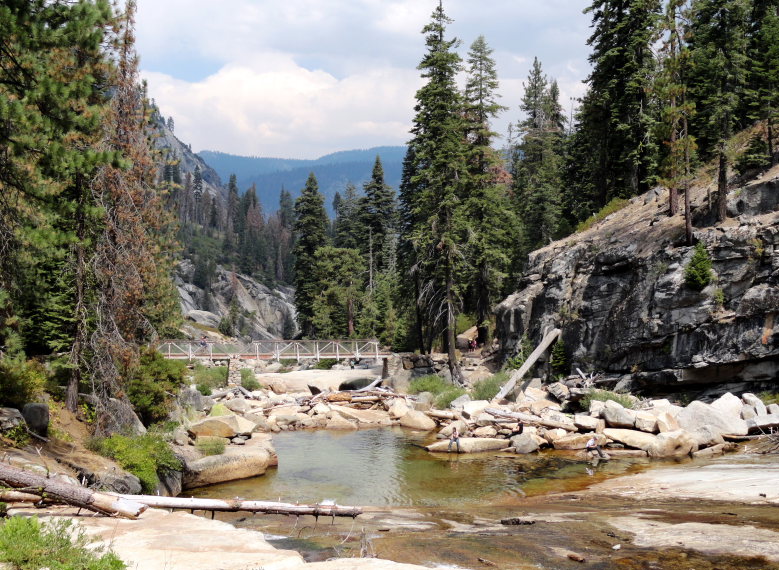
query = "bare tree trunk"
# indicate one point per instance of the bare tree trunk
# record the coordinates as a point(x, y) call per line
point(79, 341)
point(60, 491)
point(722, 186)
point(454, 366)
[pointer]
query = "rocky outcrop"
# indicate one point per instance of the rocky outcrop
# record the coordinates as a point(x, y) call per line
point(264, 313)
point(618, 293)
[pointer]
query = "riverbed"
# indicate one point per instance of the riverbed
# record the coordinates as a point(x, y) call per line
point(445, 510)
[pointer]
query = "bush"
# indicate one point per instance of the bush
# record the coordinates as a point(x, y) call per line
point(769, 397)
point(27, 544)
point(430, 383)
point(487, 389)
point(21, 381)
point(615, 205)
point(559, 362)
point(325, 364)
point(212, 377)
point(524, 350)
point(153, 384)
point(604, 395)
point(698, 272)
point(445, 398)
point(203, 389)
point(210, 445)
point(144, 456)
point(250, 383)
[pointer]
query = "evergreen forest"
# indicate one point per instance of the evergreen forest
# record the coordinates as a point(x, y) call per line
point(94, 217)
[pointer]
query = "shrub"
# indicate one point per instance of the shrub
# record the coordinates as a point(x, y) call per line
point(27, 544)
point(20, 381)
point(210, 445)
point(614, 205)
point(559, 362)
point(445, 398)
point(152, 385)
point(430, 383)
point(18, 435)
point(769, 397)
point(203, 389)
point(604, 395)
point(698, 272)
point(325, 364)
point(144, 456)
point(251, 383)
point(487, 389)
point(215, 377)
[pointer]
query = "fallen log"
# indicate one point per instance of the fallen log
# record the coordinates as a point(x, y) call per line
point(517, 375)
point(62, 492)
point(528, 419)
point(267, 507)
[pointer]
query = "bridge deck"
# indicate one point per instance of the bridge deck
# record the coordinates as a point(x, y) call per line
point(273, 349)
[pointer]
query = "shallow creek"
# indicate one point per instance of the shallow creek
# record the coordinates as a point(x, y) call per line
point(445, 510)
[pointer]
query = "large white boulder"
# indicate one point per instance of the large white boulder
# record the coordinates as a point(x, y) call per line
point(673, 444)
point(666, 422)
point(632, 438)
point(417, 420)
point(755, 402)
point(588, 423)
point(398, 408)
point(646, 422)
point(471, 445)
point(698, 415)
point(729, 405)
point(475, 408)
point(526, 443)
point(617, 416)
point(363, 417)
point(222, 426)
point(578, 440)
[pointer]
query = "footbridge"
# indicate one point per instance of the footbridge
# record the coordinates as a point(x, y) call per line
point(272, 349)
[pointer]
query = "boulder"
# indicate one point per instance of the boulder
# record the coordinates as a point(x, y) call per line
point(222, 426)
point(755, 402)
point(235, 463)
point(551, 435)
point(773, 409)
point(37, 418)
point(632, 438)
point(646, 422)
point(237, 405)
point(320, 409)
point(417, 420)
point(748, 412)
point(557, 417)
point(363, 417)
point(697, 415)
point(190, 398)
point(559, 390)
point(338, 422)
point(398, 408)
point(666, 422)
point(459, 402)
point(764, 422)
point(10, 418)
point(596, 408)
point(617, 416)
point(673, 444)
point(259, 420)
point(462, 428)
point(119, 417)
point(657, 407)
point(706, 436)
point(474, 408)
point(525, 443)
point(539, 406)
point(729, 405)
point(485, 431)
point(587, 423)
point(577, 440)
point(423, 402)
point(471, 445)
point(356, 383)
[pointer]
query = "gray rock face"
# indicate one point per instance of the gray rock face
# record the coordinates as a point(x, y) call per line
point(703, 417)
point(266, 313)
point(617, 416)
point(619, 295)
point(10, 418)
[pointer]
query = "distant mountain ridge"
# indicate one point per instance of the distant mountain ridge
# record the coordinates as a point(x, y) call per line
point(333, 171)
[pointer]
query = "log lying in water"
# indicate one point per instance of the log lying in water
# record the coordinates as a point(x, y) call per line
point(62, 492)
point(528, 419)
point(267, 507)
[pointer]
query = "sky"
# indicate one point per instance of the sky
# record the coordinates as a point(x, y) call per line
point(304, 78)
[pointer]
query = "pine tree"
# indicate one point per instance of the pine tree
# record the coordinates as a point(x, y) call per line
point(434, 192)
point(487, 210)
point(347, 230)
point(377, 216)
point(615, 117)
point(311, 230)
point(718, 46)
point(339, 274)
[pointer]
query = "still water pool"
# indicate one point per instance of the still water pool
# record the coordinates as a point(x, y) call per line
point(388, 468)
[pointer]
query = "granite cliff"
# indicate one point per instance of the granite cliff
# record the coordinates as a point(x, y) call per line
point(618, 293)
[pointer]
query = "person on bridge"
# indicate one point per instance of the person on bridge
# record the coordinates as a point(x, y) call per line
point(204, 342)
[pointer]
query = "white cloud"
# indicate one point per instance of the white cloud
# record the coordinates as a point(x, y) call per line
point(302, 78)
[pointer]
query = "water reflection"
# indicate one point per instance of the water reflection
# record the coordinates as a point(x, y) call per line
point(387, 467)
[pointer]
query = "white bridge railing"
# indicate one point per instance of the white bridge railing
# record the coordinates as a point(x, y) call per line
point(273, 349)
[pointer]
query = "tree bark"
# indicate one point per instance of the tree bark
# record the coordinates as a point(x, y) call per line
point(62, 492)
point(267, 507)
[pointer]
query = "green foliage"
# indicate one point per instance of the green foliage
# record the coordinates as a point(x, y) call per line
point(755, 157)
point(431, 383)
point(153, 384)
point(211, 445)
point(249, 380)
point(204, 389)
point(487, 389)
point(28, 544)
point(718, 296)
point(605, 395)
point(325, 364)
point(446, 397)
point(769, 397)
point(698, 273)
point(18, 435)
point(524, 349)
point(463, 323)
point(144, 456)
point(215, 377)
point(338, 276)
point(614, 205)
point(560, 363)
point(21, 381)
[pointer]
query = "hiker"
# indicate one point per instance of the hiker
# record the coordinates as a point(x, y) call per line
point(454, 438)
point(592, 445)
point(203, 342)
